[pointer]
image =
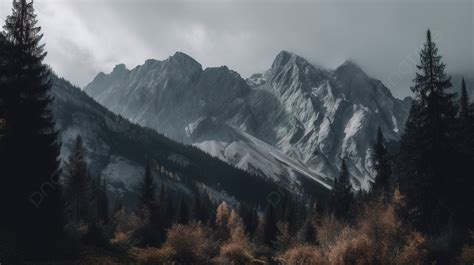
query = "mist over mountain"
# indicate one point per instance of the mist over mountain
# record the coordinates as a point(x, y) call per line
point(293, 123)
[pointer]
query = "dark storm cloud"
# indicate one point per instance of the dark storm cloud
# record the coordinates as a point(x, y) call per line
point(384, 37)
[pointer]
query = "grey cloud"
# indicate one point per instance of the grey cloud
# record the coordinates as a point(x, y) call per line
point(383, 37)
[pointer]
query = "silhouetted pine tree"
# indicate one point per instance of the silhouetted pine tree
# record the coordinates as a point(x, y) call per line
point(198, 208)
point(118, 206)
point(249, 217)
point(3, 126)
point(427, 146)
point(382, 165)
point(466, 123)
point(208, 209)
point(306, 233)
point(117, 210)
point(270, 228)
point(342, 196)
point(148, 233)
point(465, 137)
point(95, 234)
point(183, 214)
point(464, 110)
point(162, 197)
point(102, 202)
point(169, 210)
point(147, 194)
point(29, 152)
point(77, 184)
point(291, 216)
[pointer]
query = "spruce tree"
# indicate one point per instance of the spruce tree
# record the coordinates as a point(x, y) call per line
point(465, 181)
point(77, 184)
point(147, 194)
point(3, 125)
point(202, 207)
point(464, 110)
point(382, 165)
point(198, 208)
point(169, 210)
point(148, 233)
point(183, 214)
point(249, 217)
point(118, 206)
point(342, 196)
point(270, 228)
point(307, 232)
point(99, 202)
point(29, 152)
point(103, 203)
point(466, 123)
point(207, 208)
point(427, 153)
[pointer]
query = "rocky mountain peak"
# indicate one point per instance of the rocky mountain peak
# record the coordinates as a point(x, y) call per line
point(119, 67)
point(285, 59)
point(291, 71)
point(350, 68)
point(184, 60)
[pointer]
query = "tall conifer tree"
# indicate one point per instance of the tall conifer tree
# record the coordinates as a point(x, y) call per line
point(103, 204)
point(77, 185)
point(426, 148)
point(270, 229)
point(466, 149)
point(147, 193)
point(342, 196)
point(382, 165)
point(464, 110)
point(29, 151)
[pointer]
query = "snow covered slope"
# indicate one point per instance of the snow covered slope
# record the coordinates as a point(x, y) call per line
point(292, 124)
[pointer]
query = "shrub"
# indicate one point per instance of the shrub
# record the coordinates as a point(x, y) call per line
point(412, 253)
point(467, 255)
point(187, 244)
point(235, 253)
point(328, 230)
point(302, 255)
point(95, 235)
point(284, 239)
point(119, 238)
point(237, 249)
point(150, 255)
point(222, 214)
point(350, 247)
point(377, 237)
point(87, 260)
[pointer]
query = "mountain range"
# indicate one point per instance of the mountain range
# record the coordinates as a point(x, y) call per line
point(118, 151)
point(292, 124)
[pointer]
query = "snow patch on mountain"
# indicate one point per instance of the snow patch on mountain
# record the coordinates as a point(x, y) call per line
point(395, 125)
point(190, 128)
point(355, 123)
point(256, 156)
point(214, 148)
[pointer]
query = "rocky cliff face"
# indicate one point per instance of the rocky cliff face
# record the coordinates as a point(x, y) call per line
point(338, 113)
point(292, 123)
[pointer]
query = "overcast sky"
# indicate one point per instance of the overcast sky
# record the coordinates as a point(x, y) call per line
point(84, 37)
